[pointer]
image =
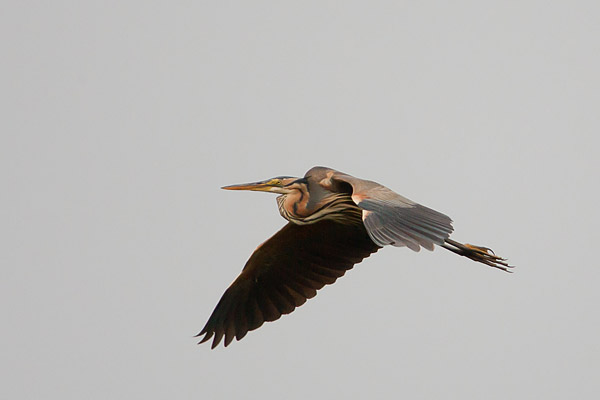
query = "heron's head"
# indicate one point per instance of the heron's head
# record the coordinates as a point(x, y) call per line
point(280, 184)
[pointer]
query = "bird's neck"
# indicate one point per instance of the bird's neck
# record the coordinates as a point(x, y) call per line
point(297, 208)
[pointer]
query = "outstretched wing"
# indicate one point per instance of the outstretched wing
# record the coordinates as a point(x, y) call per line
point(394, 219)
point(284, 272)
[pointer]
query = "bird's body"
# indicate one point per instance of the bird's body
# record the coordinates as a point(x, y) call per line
point(335, 221)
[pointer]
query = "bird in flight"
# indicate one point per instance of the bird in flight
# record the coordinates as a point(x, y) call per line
point(334, 221)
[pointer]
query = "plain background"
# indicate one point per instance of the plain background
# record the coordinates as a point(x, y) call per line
point(121, 120)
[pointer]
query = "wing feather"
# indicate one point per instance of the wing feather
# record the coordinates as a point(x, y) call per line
point(392, 219)
point(283, 273)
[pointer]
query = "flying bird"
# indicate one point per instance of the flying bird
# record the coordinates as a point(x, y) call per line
point(334, 221)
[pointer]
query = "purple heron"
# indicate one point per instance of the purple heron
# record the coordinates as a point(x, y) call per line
point(334, 221)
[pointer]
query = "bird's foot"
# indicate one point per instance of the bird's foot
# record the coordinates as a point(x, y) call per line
point(480, 254)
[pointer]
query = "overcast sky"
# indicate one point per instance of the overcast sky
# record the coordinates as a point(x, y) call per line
point(121, 120)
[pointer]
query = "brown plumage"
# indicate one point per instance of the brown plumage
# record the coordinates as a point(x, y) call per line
point(335, 221)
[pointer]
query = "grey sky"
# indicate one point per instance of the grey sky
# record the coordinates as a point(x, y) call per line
point(121, 120)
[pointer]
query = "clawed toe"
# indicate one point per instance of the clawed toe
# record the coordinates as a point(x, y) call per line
point(480, 254)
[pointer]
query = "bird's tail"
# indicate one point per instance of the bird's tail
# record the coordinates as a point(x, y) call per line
point(477, 253)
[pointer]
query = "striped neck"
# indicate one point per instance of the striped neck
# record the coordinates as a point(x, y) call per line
point(339, 207)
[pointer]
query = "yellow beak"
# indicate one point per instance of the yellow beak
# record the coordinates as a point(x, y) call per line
point(262, 186)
